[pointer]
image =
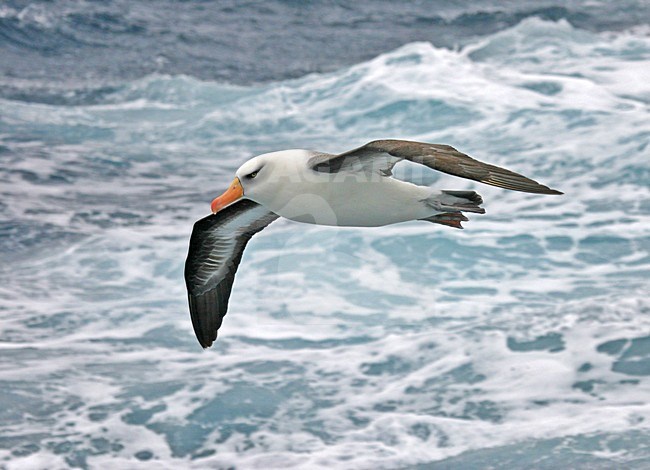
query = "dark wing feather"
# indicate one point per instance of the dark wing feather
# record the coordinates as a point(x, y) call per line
point(216, 247)
point(384, 154)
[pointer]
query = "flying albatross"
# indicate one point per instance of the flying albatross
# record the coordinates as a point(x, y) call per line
point(354, 188)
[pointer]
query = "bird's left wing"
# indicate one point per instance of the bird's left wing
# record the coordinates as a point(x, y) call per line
point(216, 247)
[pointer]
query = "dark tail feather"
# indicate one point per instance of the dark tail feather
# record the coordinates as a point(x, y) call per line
point(453, 201)
point(470, 195)
point(452, 219)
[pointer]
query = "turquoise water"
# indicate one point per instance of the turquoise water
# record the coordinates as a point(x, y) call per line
point(522, 341)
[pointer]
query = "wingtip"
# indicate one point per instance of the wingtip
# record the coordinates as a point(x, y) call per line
point(205, 339)
point(554, 192)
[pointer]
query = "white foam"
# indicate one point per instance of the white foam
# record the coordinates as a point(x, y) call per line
point(352, 347)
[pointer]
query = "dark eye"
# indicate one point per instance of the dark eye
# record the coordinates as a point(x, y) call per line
point(253, 174)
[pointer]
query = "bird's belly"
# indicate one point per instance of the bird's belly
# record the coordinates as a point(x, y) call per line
point(369, 204)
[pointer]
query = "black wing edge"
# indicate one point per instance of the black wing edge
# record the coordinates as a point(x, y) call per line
point(209, 304)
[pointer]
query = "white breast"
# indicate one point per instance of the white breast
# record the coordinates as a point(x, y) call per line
point(351, 199)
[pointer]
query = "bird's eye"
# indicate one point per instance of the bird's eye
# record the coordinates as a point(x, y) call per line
point(252, 175)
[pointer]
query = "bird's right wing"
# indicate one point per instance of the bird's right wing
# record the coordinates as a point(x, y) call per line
point(216, 247)
point(380, 156)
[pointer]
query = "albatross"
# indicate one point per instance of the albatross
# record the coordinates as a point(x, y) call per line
point(354, 188)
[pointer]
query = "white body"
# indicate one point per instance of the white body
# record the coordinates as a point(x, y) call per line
point(287, 186)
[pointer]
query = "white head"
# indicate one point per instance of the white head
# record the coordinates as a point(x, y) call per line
point(261, 177)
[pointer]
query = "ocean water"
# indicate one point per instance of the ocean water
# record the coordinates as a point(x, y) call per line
point(521, 342)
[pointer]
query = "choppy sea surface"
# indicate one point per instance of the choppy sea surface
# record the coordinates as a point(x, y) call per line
point(521, 342)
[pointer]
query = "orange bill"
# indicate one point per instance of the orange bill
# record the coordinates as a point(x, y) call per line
point(232, 194)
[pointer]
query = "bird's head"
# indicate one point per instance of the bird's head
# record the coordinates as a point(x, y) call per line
point(246, 184)
point(264, 178)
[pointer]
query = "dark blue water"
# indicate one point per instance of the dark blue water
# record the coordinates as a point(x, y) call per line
point(69, 43)
point(520, 342)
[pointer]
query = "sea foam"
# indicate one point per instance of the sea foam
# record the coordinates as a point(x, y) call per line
point(525, 334)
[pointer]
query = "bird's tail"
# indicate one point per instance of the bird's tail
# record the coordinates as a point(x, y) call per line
point(454, 201)
point(451, 204)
